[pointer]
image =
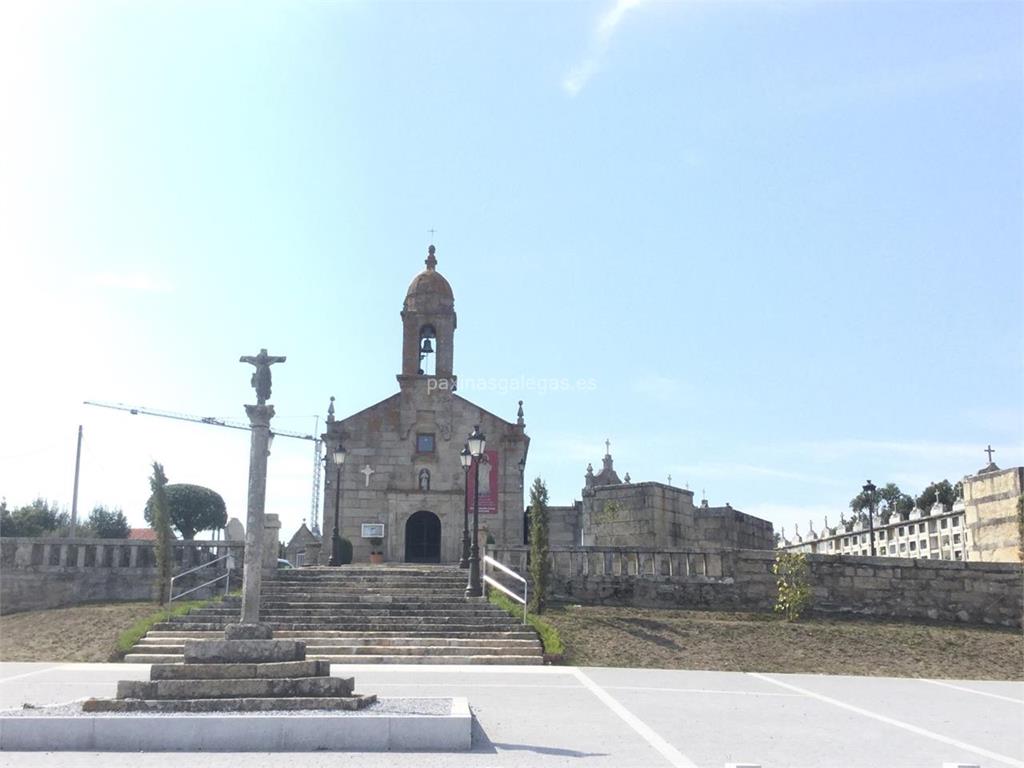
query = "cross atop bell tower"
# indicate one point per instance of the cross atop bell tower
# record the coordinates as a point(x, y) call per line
point(428, 324)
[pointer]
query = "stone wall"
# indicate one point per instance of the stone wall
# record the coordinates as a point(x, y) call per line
point(38, 573)
point(890, 588)
point(564, 525)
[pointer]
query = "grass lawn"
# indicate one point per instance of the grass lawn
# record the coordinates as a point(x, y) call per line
point(754, 642)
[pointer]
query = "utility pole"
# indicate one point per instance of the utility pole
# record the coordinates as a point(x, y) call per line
point(74, 496)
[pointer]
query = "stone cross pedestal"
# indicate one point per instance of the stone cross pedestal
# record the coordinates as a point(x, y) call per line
point(247, 671)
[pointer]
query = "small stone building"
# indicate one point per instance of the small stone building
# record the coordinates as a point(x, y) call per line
point(402, 476)
point(295, 549)
point(617, 512)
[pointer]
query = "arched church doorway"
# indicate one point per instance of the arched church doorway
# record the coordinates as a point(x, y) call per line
point(423, 538)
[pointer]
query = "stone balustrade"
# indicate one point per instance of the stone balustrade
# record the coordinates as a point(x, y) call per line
point(577, 561)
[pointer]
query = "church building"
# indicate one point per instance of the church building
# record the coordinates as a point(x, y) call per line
point(402, 481)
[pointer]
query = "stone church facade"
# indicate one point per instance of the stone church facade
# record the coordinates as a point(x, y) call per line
point(402, 467)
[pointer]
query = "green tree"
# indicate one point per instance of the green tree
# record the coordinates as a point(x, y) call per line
point(942, 491)
point(895, 500)
point(160, 520)
point(1020, 526)
point(192, 508)
point(792, 574)
point(37, 518)
point(887, 501)
point(108, 523)
point(540, 568)
point(860, 503)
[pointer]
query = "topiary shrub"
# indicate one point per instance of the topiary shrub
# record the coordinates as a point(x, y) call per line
point(346, 551)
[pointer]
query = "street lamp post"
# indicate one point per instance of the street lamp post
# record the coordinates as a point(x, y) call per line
point(338, 455)
point(869, 492)
point(467, 460)
point(476, 443)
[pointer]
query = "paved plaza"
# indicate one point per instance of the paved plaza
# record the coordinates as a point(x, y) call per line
point(557, 716)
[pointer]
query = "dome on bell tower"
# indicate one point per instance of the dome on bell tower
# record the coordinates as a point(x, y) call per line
point(429, 291)
point(428, 322)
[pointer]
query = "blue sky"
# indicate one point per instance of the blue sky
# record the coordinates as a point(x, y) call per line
point(782, 240)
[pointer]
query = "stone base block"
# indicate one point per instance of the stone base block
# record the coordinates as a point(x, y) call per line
point(248, 632)
point(362, 732)
point(243, 651)
point(250, 704)
point(249, 688)
point(239, 671)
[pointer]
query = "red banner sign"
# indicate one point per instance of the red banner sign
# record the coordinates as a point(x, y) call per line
point(488, 484)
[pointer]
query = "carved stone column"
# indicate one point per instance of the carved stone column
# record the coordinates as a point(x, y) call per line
point(259, 419)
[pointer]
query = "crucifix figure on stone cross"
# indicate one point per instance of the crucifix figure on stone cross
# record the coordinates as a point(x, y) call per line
point(607, 447)
point(261, 376)
point(367, 471)
point(990, 450)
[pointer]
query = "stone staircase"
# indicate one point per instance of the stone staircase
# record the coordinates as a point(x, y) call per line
point(401, 614)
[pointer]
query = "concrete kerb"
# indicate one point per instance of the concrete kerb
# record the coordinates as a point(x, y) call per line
point(354, 731)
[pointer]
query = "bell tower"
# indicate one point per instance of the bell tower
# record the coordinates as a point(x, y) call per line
point(428, 325)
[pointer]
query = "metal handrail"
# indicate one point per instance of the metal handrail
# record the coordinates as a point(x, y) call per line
point(488, 560)
point(226, 576)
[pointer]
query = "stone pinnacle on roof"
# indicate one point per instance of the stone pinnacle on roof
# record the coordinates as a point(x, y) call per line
point(431, 260)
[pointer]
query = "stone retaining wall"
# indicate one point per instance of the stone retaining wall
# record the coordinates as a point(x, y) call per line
point(879, 587)
point(38, 573)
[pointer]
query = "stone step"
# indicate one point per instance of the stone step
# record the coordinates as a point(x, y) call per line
point(422, 646)
point(360, 659)
point(365, 598)
point(412, 624)
point(420, 649)
point(151, 644)
point(229, 705)
point(267, 613)
point(246, 688)
point(157, 636)
point(313, 601)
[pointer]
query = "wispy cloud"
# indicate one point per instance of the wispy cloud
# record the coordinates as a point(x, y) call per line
point(138, 282)
point(714, 469)
point(600, 39)
point(920, 450)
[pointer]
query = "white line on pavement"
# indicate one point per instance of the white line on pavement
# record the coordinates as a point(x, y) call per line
point(697, 690)
point(485, 685)
point(670, 753)
point(971, 690)
point(29, 674)
point(898, 723)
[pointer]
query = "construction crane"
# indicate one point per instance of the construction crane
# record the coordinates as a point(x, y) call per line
point(231, 424)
